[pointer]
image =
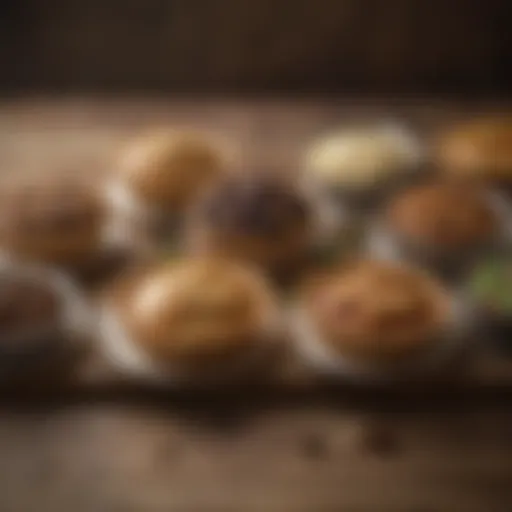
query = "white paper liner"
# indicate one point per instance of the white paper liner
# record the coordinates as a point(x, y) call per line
point(325, 361)
point(413, 153)
point(329, 220)
point(125, 210)
point(135, 226)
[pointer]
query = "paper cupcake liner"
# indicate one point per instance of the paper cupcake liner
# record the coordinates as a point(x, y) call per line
point(135, 226)
point(335, 230)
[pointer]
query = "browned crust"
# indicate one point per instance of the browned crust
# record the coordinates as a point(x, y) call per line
point(208, 312)
point(481, 148)
point(372, 310)
point(445, 215)
point(55, 221)
point(166, 169)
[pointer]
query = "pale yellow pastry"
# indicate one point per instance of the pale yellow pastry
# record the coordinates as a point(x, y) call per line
point(355, 159)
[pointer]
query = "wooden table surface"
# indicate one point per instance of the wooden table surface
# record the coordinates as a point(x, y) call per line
point(398, 455)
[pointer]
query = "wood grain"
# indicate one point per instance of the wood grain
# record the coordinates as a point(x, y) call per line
point(297, 454)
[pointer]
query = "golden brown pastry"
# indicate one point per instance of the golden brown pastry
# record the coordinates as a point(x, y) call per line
point(481, 148)
point(448, 216)
point(162, 172)
point(191, 319)
point(260, 219)
point(441, 225)
point(369, 318)
point(58, 221)
point(43, 319)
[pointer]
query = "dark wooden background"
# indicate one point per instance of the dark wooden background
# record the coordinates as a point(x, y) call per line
point(260, 46)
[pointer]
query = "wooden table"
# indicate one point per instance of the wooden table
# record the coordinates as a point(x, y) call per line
point(94, 454)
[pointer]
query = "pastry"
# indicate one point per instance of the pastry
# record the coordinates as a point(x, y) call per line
point(157, 177)
point(56, 221)
point(359, 165)
point(371, 320)
point(445, 226)
point(480, 149)
point(191, 321)
point(257, 218)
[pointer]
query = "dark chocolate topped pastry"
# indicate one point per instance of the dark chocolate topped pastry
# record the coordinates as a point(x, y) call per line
point(263, 208)
point(256, 218)
point(57, 222)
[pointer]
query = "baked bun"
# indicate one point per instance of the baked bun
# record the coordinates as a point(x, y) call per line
point(259, 219)
point(54, 221)
point(163, 171)
point(478, 149)
point(190, 319)
point(448, 216)
point(444, 226)
point(43, 320)
point(368, 318)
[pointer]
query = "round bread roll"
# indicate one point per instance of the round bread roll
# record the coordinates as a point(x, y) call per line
point(260, 219)
point(441, 225)
point(358, 162)
point(44, 320)
point(55, 221)
point(481, 148)
point(162, 172)
point(198, 319)
point(372, 319)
